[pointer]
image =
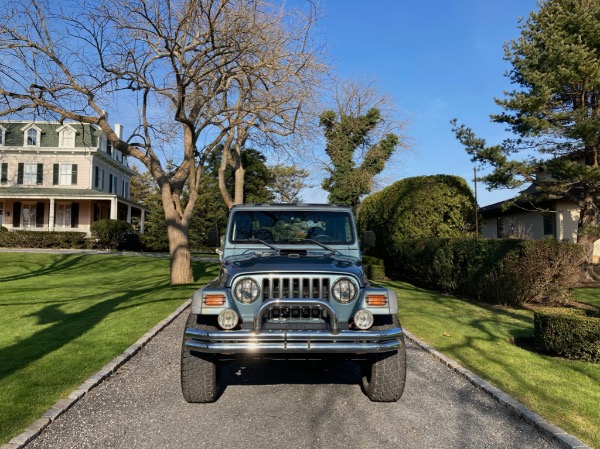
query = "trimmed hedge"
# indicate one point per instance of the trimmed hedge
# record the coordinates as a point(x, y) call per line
point(491, 270)
point(43, 239)
point(571, 333)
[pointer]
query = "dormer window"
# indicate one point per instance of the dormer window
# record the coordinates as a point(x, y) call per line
point(66, 136)
point(2, 135)
point(31, 135)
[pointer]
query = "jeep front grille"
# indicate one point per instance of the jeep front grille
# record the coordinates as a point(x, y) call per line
point(295, 287)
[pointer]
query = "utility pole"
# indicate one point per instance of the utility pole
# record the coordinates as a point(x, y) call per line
point(476, 204)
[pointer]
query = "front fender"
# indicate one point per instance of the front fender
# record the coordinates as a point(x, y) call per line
point(200, 308)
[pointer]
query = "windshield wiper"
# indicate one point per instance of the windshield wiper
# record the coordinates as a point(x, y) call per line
point(264, 243)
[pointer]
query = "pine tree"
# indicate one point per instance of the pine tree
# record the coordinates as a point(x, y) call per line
point(553, 113)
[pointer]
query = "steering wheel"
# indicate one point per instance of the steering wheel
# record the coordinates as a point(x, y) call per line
point(323, 238)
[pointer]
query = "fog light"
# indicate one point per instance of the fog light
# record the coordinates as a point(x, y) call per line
point(228, 319)
point(363, 319)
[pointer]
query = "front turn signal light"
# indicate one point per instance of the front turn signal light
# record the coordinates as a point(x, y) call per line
point(214, 300)
point(377, 300)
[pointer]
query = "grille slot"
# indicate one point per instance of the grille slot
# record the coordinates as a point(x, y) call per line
point(295, 287)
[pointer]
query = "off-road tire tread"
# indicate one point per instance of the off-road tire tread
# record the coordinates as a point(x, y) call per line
point(384, 375)
point(199, 371)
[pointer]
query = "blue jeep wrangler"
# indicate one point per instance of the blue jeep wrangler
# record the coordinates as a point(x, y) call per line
point(292, 285)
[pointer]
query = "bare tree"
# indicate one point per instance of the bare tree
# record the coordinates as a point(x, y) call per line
point(288, 182)
point(205, 72)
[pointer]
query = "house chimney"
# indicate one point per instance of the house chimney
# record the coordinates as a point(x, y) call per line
point(119, 131)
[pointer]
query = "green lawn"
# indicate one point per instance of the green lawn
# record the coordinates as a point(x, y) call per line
point(589, 296)
point(63, 317)
point(493, 342)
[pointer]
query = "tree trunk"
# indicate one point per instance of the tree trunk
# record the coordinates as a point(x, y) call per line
point(179, 250)
point(586, 238)
point(179, 242)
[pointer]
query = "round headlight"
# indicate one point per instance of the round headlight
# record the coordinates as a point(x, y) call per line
point(246, 291)
point(228, 319)
point(363, 319)
point(344, 290)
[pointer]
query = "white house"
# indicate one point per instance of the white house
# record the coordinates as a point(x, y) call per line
point(555, 217)
point(65, 176)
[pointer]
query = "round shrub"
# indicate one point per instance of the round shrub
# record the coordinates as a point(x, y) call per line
point(110, 233)
point(439, 206)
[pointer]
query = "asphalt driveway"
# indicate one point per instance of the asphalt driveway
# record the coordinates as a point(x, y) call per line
point(268, 404)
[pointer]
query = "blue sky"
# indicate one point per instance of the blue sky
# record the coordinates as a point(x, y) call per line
point(438, 59)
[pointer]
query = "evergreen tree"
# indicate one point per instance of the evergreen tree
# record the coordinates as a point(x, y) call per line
point(347, 135)
point(554, 111)
point(145, 191)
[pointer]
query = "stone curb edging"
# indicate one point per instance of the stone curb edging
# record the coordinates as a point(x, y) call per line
point(547, 429)
point(61, 406)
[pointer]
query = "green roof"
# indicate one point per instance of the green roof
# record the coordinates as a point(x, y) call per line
point(86, 134)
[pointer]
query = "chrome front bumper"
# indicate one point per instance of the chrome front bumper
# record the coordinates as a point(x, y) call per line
point(258, 341)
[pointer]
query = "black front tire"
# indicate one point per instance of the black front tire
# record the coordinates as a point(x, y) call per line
point(199, 371)
point(384, 375)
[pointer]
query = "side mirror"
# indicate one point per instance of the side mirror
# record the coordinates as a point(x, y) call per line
point(214, 239)
point(369, 239)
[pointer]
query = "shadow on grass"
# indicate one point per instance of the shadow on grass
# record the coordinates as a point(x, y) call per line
point(60, 264)
point(109, 289)
point(65, 327)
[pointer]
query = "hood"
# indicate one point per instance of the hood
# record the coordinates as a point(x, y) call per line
point(294, 264)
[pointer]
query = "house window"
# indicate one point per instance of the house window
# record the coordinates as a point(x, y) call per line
point(28, 212)
point(549, 224)
point(99, 178)
point(32, 137)
point(112, 186)
point(125, 189)
point(30, 174)
point(2, 135)
point(66, 174)
point(4, 173)
point(108, 147)
point(67, 138)
point(63, 215)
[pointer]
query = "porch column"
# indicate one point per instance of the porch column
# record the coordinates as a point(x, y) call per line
point(113, 209)
point(128, 214)
point(143, 219)
point(51, 215)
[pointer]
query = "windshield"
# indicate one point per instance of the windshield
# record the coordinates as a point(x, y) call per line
point(330, 227)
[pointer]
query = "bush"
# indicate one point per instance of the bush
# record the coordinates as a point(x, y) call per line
point(491, 270)
point(3, 229)
point(572, 333)
point(374, 267)
point(439, 206)
point(43, 239)
point(110, 233)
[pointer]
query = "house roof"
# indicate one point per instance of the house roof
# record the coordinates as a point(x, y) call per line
point(531, 194)
point(87, 135)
